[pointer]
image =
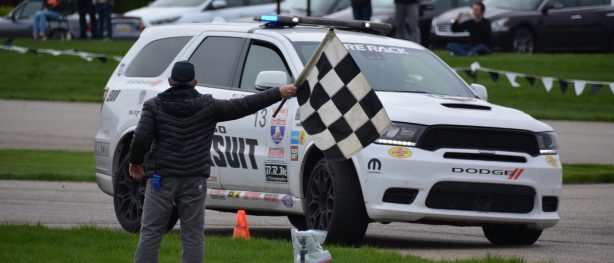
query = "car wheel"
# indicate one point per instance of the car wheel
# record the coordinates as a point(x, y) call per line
point(334, 202)
point(298, 221)
point(128, 199)
point(523, 41)
point(511, 235)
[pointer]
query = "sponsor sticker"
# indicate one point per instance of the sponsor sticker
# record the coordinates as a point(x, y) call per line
point(237, 95)
point(251, 196)
point(302, 137)
point(276, 173)
point(218, 194)
point(278, 125)
point(212, 179)
point(120, 69)
point(234, 194)
point(297, 118)
point(374, 166)
point(552, 161)
point(294, 137)
point(271, 197)
point(511, 174)
point(400, 152)
point(156, 83)
point(276, 152)
point(294, 153)
point(288, 201)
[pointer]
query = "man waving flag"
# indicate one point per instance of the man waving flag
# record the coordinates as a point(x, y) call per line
point(338, 108)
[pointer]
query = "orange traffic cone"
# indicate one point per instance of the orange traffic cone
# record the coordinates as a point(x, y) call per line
point(241, 227)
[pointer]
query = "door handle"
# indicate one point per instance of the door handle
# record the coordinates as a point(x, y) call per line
point(576, 17)
point(610, 14)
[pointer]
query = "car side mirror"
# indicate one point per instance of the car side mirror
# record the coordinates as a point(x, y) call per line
point(218, 4)
point(480, 90)
point(271, 79)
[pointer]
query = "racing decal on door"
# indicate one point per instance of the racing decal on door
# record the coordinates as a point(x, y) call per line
point(293, 153)
point(276, 173)
point(278, 125)
point(233, 152)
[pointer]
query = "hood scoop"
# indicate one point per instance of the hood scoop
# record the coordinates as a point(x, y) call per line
point(466, 106)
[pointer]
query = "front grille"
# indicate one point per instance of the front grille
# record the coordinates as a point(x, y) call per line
point(400, 195)
point(550, 203)
point(485, 157)
point(461, 137)
point(481, 197)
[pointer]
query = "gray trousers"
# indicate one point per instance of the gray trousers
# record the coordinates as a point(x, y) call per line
point(406, 18)
point(188, 194)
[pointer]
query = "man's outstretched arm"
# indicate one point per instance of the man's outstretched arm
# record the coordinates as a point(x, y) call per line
point(226, 110)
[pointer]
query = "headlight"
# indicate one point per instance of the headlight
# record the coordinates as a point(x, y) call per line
point(166, 20)
point(402, 134)
point(500, 25)
point(548, 143)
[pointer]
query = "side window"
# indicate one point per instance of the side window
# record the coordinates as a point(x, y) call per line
point(235, 3)
point(565, 3)
point(29, 9)
point(155, 57)
point(216, 59)
point(592, 2)
point(261, 2)
point(260, 57)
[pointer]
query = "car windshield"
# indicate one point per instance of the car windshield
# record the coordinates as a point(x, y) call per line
point(399, 69)
point(513, 5)
point(178, 3)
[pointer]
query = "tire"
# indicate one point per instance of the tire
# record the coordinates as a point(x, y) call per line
point(507, 235)
point(128, 198)
point(298, 221)
point(523, 40)
point(334, 202)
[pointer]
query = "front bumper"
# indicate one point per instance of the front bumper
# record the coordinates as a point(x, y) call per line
point(423, 169)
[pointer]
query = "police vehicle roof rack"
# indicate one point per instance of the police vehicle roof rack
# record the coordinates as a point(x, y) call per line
point(275, 21)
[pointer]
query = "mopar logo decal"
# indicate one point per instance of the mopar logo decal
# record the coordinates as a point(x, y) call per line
point(512, 174)
point(374, 166)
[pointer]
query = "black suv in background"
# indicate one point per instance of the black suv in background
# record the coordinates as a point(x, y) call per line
point(539, 25)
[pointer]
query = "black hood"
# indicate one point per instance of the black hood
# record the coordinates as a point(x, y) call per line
point(180, 100)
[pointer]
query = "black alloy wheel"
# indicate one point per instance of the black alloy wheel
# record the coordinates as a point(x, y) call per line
point(334, 202)
point(128, 199)
point(523, 41)
point(320, 197)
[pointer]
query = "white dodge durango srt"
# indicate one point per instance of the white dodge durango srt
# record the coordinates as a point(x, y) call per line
point(450, 158)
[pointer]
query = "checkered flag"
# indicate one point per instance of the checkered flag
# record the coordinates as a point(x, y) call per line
point(338, 108)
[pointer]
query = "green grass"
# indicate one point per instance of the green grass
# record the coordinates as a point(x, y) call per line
point(67, 78)
point(61, 78)
point(588, 173)
point(536, 101)
point(87, 244)
point(79, 166)
point(47, 165)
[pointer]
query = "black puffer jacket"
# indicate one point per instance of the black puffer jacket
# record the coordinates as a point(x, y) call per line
point(176, 127)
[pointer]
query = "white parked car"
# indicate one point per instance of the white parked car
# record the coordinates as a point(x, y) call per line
point(162, 12)
point(450, 158)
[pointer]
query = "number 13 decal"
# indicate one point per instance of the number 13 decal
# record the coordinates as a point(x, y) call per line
point(260, 118)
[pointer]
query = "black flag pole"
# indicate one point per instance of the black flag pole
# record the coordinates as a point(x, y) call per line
point(310, 64)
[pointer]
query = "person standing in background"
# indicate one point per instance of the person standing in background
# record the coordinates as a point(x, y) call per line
point(362, 9)
point(407, 13)
point(104, 10)
point(87, 7)
point(479, 33)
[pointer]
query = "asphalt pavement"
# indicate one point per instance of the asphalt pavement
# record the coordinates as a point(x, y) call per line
point(72, 126)
point(584, 234)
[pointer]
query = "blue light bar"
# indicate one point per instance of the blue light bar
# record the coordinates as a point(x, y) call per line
point(269, 18)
